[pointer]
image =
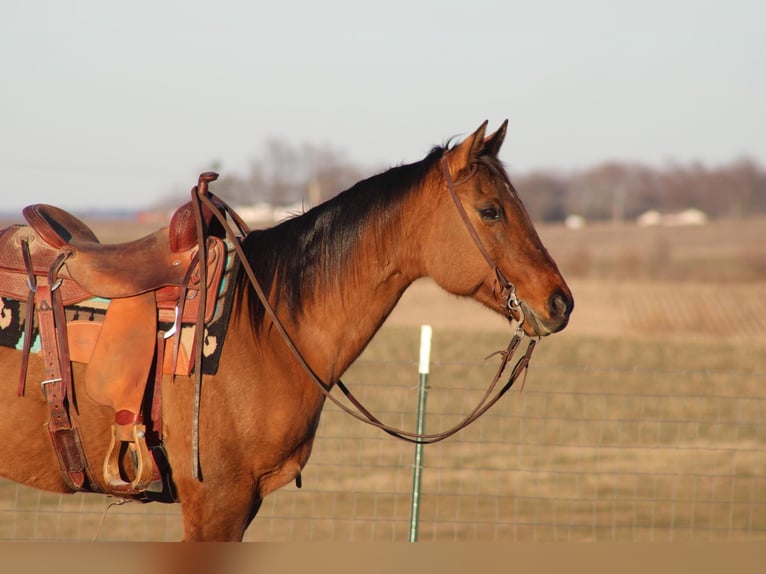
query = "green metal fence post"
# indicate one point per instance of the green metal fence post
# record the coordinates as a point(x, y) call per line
point(425, 360)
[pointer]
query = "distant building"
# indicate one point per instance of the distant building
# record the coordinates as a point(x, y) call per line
point(574, 221)
point(689, 216)
point(269, 214)
point(257, 213)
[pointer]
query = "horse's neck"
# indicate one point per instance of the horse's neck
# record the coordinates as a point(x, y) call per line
point(338, 322)
point(337, 326)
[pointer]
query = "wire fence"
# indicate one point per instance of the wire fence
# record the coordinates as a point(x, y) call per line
point(582, 453)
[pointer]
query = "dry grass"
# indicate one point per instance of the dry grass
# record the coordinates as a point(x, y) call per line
point(612, 439)
point(724, 251)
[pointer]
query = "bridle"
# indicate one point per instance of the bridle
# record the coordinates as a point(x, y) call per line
point(511, 304)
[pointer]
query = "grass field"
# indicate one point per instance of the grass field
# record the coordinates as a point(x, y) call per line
point(645, 420)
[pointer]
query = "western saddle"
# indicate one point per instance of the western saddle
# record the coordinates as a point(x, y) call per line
point(55, 263)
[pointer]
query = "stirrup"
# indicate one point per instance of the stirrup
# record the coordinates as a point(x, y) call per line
point(133, 435)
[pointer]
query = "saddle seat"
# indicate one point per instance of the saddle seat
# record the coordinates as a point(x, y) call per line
point(118, 270)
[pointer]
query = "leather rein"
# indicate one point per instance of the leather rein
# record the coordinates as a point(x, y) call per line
point(511, 305)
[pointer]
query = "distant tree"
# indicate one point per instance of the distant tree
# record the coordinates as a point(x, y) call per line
point(329, 172)
point(283, 173)
point(544, 196)
point(621, 190)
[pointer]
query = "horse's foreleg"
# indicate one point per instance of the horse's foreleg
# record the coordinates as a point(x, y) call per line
point(218, 515)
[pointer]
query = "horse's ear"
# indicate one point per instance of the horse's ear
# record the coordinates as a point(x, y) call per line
point(463, 156)
point(493, 142)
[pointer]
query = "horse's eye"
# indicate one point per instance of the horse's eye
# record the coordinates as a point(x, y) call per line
point(490, 213)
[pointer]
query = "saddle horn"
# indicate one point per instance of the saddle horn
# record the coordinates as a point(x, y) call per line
point(183, 229)
point(204, 179)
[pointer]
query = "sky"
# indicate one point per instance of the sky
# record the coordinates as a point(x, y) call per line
point(117, 105)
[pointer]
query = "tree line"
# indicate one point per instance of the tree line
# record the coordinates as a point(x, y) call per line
point(623, 191)
point(283, 173)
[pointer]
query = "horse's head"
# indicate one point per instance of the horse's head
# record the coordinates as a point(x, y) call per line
point(503, 247)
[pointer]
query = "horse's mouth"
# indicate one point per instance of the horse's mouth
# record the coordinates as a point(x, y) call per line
point(534, 326)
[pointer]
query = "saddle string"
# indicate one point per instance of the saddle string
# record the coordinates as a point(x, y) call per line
point(100, 525)
point(54, 282)
point(363, 414)
point(202, 197)
point(30, 314)
point(59, 316)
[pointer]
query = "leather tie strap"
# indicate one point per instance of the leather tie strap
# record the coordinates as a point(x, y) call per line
point(30, 317)
point(206, 203)
point(65, 436)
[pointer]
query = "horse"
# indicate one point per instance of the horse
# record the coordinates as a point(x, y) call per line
point(331, 276)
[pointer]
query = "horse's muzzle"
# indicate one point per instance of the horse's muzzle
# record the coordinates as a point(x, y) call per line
point(559, 309)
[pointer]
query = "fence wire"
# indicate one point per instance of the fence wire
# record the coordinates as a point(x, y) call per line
point(581, 454)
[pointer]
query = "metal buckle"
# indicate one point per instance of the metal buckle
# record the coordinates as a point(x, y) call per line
point(50, 381)
point(514, 307)
point(172, 331)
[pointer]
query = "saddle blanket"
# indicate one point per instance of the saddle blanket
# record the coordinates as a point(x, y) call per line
point(84, 320)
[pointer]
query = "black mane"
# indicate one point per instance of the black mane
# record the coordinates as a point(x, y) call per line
point(313, 250)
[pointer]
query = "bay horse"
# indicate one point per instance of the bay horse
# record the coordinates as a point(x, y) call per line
point(332, 275)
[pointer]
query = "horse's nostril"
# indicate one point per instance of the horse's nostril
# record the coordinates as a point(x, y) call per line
point(559, 305)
